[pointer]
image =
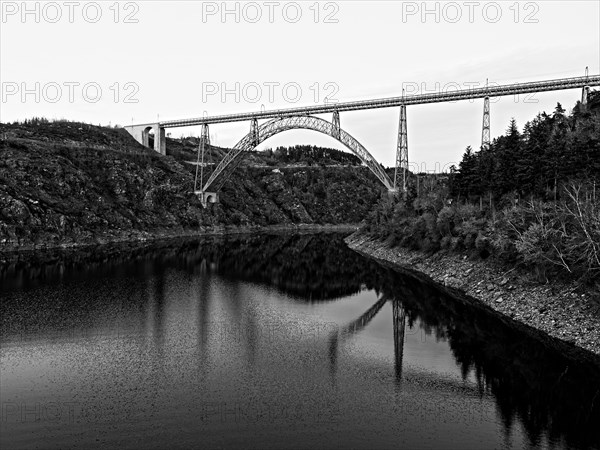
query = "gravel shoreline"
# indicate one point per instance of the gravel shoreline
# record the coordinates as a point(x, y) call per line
point(553, 309)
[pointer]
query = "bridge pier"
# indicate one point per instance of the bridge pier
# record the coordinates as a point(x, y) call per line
point(485, 132)
point(205, 134)
point(336, 124)
point(584, 95)
point(141, 133)
point(402, 151)
point(392, 193)
point(206, 197)
point(254, 132)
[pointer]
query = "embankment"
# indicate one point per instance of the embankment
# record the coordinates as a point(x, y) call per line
point(65, 184)
point(556, 310)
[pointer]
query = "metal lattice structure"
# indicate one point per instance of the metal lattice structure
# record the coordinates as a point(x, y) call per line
point(205, 135)
point(273, 127)
point(359, 324)
point(254, 132)
point(303, 117)
point(416, 99)
point(336, 124)
point(202, 145)
point(485, 131)
point(402, 150)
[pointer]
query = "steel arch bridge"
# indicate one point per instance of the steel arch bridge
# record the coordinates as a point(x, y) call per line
point(303, 118)
point(260, 134)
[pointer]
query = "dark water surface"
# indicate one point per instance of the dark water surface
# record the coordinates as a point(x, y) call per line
point(271, 342)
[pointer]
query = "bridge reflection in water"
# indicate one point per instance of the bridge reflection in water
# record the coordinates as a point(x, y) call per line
point(356, 326)
point(535, 387)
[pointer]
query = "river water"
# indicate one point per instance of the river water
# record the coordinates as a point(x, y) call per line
point(271, 342)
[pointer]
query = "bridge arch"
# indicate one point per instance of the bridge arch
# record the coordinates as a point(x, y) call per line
point(276, 126)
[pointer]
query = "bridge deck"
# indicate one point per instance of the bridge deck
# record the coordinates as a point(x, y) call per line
point(491, 91)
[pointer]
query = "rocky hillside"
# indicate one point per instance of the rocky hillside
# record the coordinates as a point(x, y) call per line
point(65, 183)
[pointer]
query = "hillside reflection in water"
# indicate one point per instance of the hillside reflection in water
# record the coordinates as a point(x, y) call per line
point(275, 341)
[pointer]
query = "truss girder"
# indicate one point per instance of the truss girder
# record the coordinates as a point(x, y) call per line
point(276, 126)
point(435, 97)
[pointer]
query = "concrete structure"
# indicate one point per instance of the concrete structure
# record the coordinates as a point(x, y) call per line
point(207, 197)
point(141, 133)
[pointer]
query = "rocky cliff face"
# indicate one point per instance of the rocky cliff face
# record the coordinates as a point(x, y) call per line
point(66, 183)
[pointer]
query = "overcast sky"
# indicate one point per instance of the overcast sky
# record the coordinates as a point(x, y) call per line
point(127, 62)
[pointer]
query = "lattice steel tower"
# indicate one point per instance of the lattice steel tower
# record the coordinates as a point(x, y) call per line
point(485, 132)
point(402, 151)
point(336, 124)
point(202, 146)
point(254, 132)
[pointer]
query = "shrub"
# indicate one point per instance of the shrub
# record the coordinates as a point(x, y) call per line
point(540, 246)
point(550, 238)
point(445, 242)
point(482, 244)
point(445, 221)
point(455, 243)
